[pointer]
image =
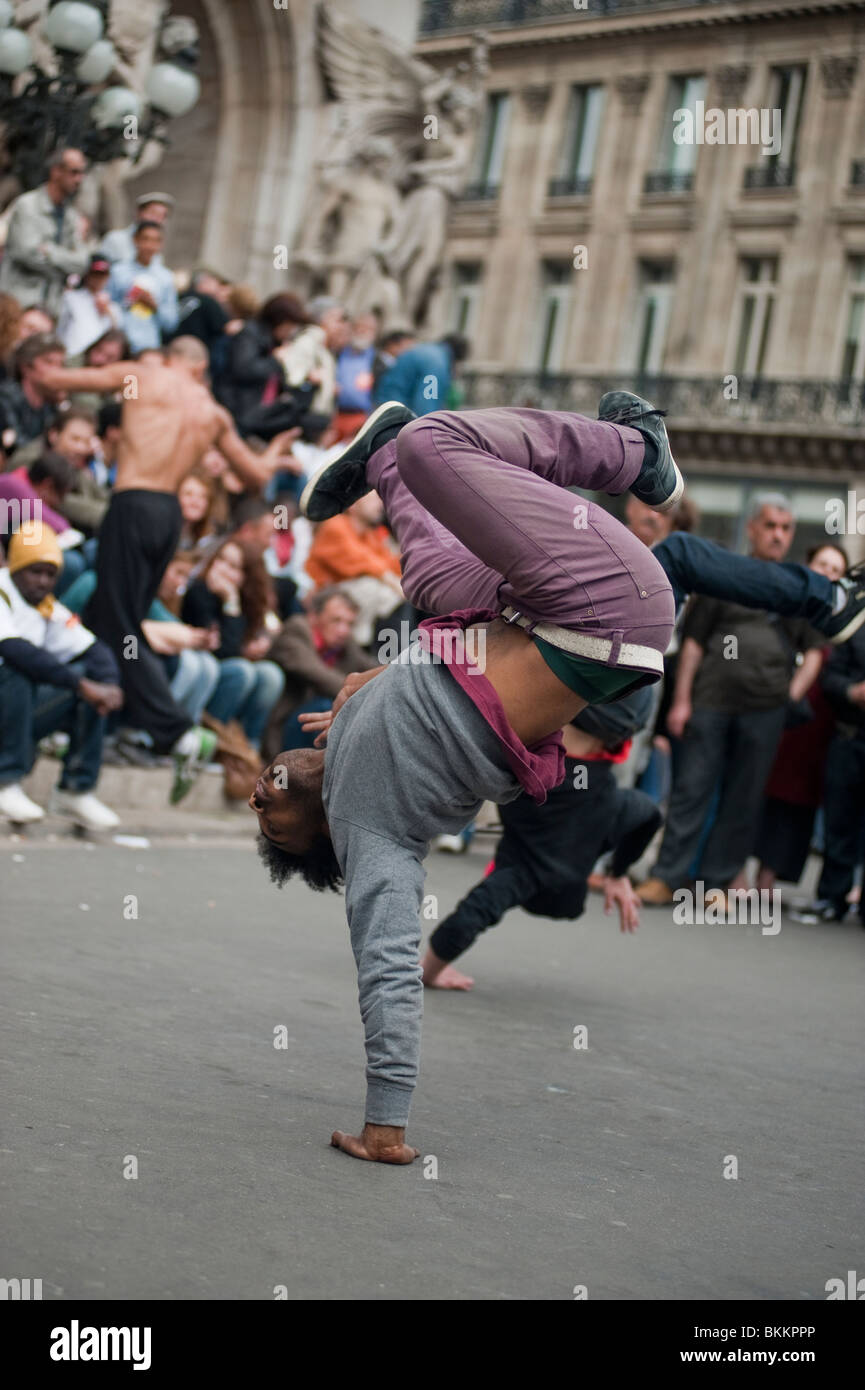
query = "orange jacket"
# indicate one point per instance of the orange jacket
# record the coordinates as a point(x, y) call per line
point(340, 552)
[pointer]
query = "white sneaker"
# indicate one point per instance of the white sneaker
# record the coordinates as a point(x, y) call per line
point(16, 805)
point(451, 844)
point(85, 809)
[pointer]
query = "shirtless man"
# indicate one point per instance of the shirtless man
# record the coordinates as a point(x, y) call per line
point(169, 421)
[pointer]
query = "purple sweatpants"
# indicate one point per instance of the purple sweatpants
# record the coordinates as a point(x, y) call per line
point(476, 501)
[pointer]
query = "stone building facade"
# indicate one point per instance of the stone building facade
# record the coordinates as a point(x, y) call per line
point(594, 246)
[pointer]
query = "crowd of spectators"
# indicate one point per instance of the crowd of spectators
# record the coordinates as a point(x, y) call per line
point(758, 739)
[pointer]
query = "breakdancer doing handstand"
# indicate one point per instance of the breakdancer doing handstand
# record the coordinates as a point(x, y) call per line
point(573, 609)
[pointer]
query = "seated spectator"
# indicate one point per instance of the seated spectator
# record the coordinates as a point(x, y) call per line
point(54, 675)
point(397, 341)
point(204, 507)
point(353, 550)
point(315, 651)
point(86, 502)
point(10, 325)
point(187, 651)
point(202, 314)
point(110, 348)
point(87, 313)
point(254, 379)
point(310, 356)
point(354, 378)
point(233, 595)
point(104, 465)
point(36, 320)
point(144, 290)
point(421, 376)
point(45, 482)
point(27, 407)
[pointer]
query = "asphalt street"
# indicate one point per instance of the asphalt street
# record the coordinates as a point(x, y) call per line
point(146, 1043)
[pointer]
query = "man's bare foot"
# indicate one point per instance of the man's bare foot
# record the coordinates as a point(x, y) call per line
point(438, 974)
point(377, 1144)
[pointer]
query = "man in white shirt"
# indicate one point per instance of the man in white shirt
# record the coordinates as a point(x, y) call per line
point(87, 313)
point(54, 675)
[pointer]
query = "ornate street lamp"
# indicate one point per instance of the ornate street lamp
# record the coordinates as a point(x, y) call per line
point(75, 105)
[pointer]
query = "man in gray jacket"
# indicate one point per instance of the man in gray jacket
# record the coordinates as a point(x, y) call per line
point(44, 244)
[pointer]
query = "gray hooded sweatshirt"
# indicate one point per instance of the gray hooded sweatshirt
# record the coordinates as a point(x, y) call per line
point(408, 757)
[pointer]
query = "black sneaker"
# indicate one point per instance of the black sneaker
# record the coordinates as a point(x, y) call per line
point(660, 484)
point(851, 616)
point(341, 482)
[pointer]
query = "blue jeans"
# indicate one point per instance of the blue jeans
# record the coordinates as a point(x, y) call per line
point(246, 691)
point(194, 681)
point(694, 565)
point(29, 712)
point(293, 733)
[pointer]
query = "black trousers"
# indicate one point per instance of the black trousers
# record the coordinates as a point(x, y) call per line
point(547, 852)
point(137, 540)
point(736, 750)
point(844, 812)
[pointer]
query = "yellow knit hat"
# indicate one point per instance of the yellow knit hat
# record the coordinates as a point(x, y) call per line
point(33, 544)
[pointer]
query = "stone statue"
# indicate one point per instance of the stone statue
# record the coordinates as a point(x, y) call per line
point(431, 120)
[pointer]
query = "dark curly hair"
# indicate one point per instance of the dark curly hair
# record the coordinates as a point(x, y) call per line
point(319, 867)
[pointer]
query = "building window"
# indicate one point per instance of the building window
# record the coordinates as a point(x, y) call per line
point(466, 297)
point(490, 157)
point(555, 297)
point(787, 95)
point(577, 166)
point(853, 353)
point(653, 314)
point(757, 299)
point(675, 163)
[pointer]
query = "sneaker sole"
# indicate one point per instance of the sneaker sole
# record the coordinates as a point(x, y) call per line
point(675, 496)
point(333, 468)
point(847, 632)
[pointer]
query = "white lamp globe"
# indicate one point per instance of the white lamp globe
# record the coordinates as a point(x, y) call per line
point(97, 64)
point(16, 53)
point(172, 90)
point(113, 107)
point(73, 26)
point(6, 13)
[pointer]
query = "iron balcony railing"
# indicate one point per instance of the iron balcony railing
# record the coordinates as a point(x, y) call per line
point(438, 15)
point(713, 401)
point(667, 181)
point(480, 192)
point(569, 188)
point(770, 176)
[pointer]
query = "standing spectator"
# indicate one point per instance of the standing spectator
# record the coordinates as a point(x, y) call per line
point(311, 356)
point(233, 596)
point(44, 244)
point(733, 684)
point(391, 346)
point(86, 314)
point(145, 291)
point(54, 675)
point(354, 378)
point(253, 377)
point(421, 376)
point(316, 652)
point(119, 245)
point(795, 787)
point(843, 684)
point(27, 406)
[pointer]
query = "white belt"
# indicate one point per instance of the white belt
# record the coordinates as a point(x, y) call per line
point(593, 648)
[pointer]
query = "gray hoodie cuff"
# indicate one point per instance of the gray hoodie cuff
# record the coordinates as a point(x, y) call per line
point(387, 1103)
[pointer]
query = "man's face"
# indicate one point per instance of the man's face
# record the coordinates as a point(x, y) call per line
point(153, 212)
point(771, 534)
point(147, 243)
point(35, 582)
point(337, 329)
point(280, 802)
point(334, 623)
point(75, 442)
point(96, 280)
point(364, 330)
point(70, 172)
point(105, 354)
point(258, 533)
point(51, 359)
point(647, 525)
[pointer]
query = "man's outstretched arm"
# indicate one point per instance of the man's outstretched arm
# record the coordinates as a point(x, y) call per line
point(383, 896)
point(101, 379)
point(256, 470)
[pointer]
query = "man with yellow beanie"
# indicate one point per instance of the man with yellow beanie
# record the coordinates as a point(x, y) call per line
point(54, 675)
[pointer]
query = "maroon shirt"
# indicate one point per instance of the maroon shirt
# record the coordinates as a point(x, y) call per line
point(538, 769)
